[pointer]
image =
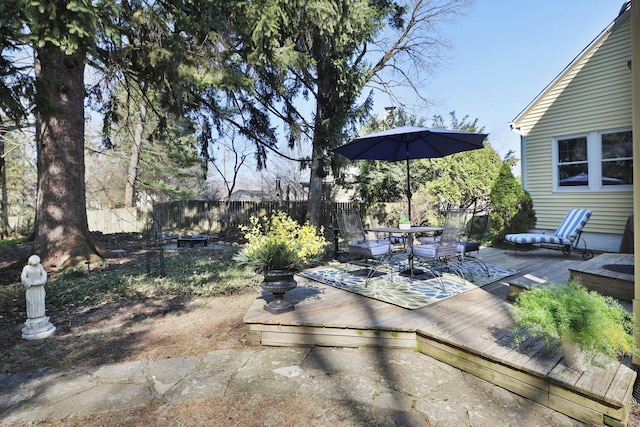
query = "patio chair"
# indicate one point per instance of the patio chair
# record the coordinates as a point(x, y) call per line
point(458, 226)
point(474, 229)
point(361, 250)
point(442, 254)
point(567, 236)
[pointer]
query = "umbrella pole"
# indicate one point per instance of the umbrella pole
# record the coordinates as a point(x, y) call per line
point(408, 188)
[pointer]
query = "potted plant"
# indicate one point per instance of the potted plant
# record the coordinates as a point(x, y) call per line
point(278, 247)
point(403, 222)
point(586, 323)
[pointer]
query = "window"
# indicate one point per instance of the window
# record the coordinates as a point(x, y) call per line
point(617, 158)
point(573, 166)
point(597, 161)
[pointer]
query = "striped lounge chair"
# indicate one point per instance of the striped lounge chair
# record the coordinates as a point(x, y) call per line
point(567, 236)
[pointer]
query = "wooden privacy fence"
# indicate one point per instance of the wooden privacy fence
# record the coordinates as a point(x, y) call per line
point(211, 217)
point(222, 218)
point(122, 220)
point(214, 217)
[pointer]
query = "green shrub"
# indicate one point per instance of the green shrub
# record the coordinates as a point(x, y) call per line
point(9, 242)
point(512, 210)
point(597, 324)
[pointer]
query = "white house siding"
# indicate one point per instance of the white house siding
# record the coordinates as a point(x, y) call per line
point(592, 95)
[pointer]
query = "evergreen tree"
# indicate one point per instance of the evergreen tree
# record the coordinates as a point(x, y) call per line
point(463, 179)
point(512, 207)
point(324, 53)
point(162, 44)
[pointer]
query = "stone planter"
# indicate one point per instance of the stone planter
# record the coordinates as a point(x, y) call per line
point(278, 282)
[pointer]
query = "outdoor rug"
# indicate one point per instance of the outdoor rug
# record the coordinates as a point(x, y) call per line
point(422, 291)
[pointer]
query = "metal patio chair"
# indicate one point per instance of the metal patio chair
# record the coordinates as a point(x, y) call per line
point(361, 250)
point(440, 255)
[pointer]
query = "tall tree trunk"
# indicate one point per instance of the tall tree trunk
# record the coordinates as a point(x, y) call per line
point(134, 160)
point(4, 201)
point(315, 185)
point(328, 124)
point(61, 232)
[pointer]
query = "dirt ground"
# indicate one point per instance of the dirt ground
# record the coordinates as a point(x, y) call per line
point(142, 330)
point(152, 329)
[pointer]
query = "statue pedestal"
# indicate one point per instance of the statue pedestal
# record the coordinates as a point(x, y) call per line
point(37, 329)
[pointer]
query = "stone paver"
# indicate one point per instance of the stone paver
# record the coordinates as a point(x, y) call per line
point(403, 383)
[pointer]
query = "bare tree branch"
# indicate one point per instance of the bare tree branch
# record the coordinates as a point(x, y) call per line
point(409, 58)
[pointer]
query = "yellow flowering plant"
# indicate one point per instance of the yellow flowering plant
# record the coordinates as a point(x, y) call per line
point(280, 243)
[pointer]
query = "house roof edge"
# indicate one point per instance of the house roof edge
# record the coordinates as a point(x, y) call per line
point(625, 12)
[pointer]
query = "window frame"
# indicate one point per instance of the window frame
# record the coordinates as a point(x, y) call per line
point(594, 164)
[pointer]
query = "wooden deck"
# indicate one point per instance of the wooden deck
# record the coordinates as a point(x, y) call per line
point(596, 277)
point(471, 331)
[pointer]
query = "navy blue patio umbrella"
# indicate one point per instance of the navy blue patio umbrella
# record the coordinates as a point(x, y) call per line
point(410, 142)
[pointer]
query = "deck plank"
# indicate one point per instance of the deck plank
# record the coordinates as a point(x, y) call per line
point(621, 385)
point(596, 381)
point(471, 331)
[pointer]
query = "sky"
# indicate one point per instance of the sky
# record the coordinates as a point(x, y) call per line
point(503, 54)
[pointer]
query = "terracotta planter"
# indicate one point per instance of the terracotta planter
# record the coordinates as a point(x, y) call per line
point(278, 282)
point(573, 356)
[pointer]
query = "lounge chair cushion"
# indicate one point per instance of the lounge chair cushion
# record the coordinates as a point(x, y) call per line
point(528, 238)
point(567, 232)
